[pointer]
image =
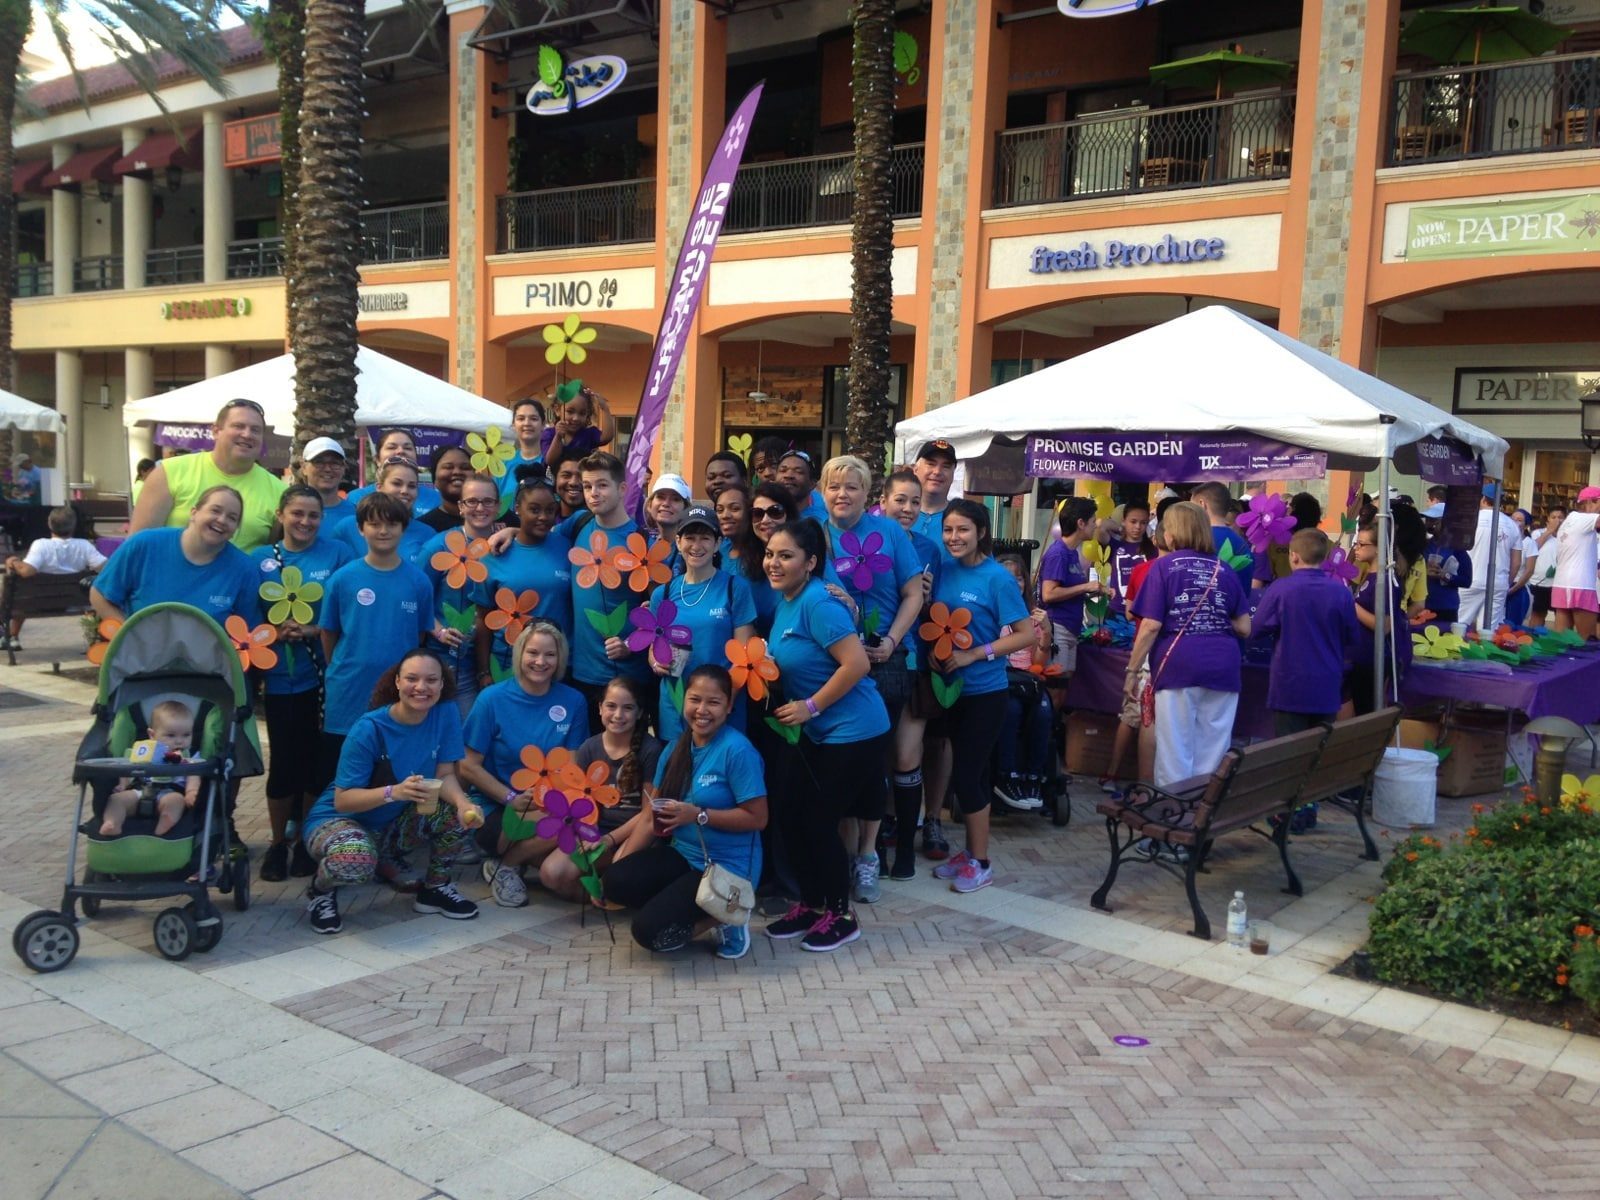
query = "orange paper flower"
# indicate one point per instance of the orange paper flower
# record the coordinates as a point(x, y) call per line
point(600, 563)
point(594, 785)
point(649, 562)
point(540, 772)
point(107, 629)
point(946, 630)
point(253, 645)
point(1508, 638)
point(512, 612)
point(750, 667)
point(461, 559)
point(1045, 670)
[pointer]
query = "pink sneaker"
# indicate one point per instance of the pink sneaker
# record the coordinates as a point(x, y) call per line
point(951, 867)
point(974, 875)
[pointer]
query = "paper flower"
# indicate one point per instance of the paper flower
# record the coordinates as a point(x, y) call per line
point(741, 444)
point(460, 559)
point(291, 597)
point(568, 821)
point(750, 667)
point(600, 562)
point(489, 451)
point(648, 563)
point(512, 612)
point(863, 559)
point(1575, 791)
point(1340, 565)
point(253, 645)
point(656, 632)
point(105, 631)
point(566, 341)
point(946, 630)
point(567, 392)
point(1044, 670)
point(1432, 643)
point(541, 772)
point(1235, 559)
point(1511, 639)
point(1267, 522)
point(1095, 556)
point(594, 786)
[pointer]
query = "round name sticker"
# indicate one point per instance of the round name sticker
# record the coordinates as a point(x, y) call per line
point(366, 596)
point(269, 565)
point(558, 712)
point(1128, 1039)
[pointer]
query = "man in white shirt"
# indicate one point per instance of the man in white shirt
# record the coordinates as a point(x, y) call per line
point(58, 554)
point(1485, 598)
point(1572, 591)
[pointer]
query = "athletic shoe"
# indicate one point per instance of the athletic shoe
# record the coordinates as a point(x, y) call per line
point(301, 864)
point(934, 845)
point(733, 941)
point(445, 901)
point(275, 863)
point(831, 932)
point(866, 873)
point(400, 877)
point(974, 875)
point(469, 853)
point(795, 923)
point(1155, 849)
point(1006, 792)
point(1020, 801)
point(489, 868)
point(508, 888)
point(905, 866)
point(951, 867)
point(1109, 786)
point(323, 909)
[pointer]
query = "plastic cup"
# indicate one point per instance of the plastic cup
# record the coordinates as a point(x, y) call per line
point(657, 809)
point(1459, 628)
point(1260, 938)
point(431, 805)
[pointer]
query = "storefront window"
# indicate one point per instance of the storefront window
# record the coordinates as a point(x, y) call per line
point(1558, 477)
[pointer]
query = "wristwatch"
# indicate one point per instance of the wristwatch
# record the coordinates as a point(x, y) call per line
point(702, 817)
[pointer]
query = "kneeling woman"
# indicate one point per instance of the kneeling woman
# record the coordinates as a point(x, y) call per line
point(713, 801)
point(395, 790)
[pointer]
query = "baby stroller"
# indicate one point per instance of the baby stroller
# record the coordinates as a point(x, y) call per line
point(164, 652)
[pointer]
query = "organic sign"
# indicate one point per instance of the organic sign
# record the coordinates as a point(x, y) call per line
point(200, 310)
point(1542, 225)
point(566, 86)
point(1157, 457)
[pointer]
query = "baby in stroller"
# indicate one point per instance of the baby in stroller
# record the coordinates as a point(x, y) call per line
point(172, 730)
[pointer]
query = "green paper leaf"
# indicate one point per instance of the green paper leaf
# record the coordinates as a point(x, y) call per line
point(1438, 751)
point(505, 504)
point(517, 827)
point(874, 619)
point(675, 694)
point(789, 733)
point(617, 620)
point(551, 69)
point(1347, 524)
point(457, 618)
point(945, 691)
point(591, 884)
point(1235, 558)
point(905, 52)
point(598, 619)
point(568, 391)
point(498, 672)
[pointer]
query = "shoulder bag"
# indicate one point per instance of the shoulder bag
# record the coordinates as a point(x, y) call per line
point(722, 895)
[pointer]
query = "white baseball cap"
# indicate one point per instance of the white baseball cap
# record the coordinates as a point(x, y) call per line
point(672, 483)
point(322, 445)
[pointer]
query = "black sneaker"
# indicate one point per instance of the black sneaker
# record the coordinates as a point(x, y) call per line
point(445, 901)
point(275, 863)
point(301, 864)
point(797, 921)
point(905, 866)
point(323, 908)
point(831, 932)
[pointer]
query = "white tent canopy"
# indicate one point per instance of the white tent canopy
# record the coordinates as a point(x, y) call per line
point(1212, 370)
point(17, 413)
point(387, 393)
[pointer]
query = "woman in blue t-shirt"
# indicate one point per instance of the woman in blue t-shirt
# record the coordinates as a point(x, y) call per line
point(843, 748)
point(293, 569)
point(979, 598)
point(396, 444)
point(397, 478)
point(395, 791)
point(712, 801)
point(536, 559)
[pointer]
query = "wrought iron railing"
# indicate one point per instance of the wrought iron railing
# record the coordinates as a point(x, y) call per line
point(100, 273)
point(406, 232)
point(820, 190)
point(1146, 150)
point(34, 279)
point(1527, 107)
point(174, 264)
point(255, 258)
point(592, 214)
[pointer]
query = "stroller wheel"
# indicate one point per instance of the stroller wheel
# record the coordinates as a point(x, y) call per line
point(241, 888)
point(90, 904)
point(1061, 808)
point(46, 941)
point(206, 936)
point(176, 933)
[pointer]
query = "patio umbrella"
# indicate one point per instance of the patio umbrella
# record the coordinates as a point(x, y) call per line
point(1218, 67)
point(1480, 35)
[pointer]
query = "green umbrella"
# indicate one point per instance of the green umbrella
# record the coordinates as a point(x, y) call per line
point(1219, 67)
point(1480, 35)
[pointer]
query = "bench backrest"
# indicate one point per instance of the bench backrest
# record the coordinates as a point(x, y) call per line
point(1265, 778)
point(1351, 754)
point(44, 595)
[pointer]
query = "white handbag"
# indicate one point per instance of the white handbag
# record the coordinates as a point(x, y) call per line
point(722, 895)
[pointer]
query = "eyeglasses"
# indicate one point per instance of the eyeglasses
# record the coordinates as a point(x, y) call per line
point(488, 503)
point(763, 512)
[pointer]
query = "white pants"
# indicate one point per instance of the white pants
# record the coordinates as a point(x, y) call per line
point(1194, 727)
point(1472, 605)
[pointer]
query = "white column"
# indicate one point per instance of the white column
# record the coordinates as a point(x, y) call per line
point(139, 375)
point(64, 232)
point(216, 199)
point(1530, 473)
point(219, 360)
point(69, 403)
point(135, 216)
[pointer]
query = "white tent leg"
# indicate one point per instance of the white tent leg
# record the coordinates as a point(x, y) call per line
point(1380, 590)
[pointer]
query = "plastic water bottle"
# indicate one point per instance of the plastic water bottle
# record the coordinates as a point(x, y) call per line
point(1238, 925)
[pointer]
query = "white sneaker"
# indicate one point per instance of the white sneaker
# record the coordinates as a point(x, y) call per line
point(866, 889)
point(508, 888)
point(489, 867)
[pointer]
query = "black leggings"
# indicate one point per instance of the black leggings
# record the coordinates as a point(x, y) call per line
point(979, 720)
point(659, 884)
point(832, 781)
point(294, 726)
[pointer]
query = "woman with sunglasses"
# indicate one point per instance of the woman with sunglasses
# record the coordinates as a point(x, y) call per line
point(397, 443)
point(536, 559)
point(480, 499)
point(172, 490)
point(771, 508)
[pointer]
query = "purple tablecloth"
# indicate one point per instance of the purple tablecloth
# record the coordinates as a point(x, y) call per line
point(1096, 686)
point(1568, 686)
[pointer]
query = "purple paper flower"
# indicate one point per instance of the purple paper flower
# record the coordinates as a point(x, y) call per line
point(862, 561)
point(656, 631)
point(568, 822)
point(1267, 522)
point(1340, 566)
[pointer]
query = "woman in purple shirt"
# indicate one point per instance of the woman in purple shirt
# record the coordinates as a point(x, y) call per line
point(1191, 612)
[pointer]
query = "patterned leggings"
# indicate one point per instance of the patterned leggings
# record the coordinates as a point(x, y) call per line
point(348, 853)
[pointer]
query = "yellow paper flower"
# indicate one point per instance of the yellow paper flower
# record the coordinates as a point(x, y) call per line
point(291, 597)
point(1575, 791)
point(1431, 643)
point(567, 341)
point(1095, 554)
point(489, 452)
point(741, 444)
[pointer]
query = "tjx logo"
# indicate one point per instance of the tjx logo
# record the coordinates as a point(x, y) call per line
point(1210, 462)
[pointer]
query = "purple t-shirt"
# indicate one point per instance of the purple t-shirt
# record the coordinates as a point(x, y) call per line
point(1125, 556)
point(1064, 565)
point(586, 441)
point(1314, 617)
point(1363, 652)
point(1194, 593)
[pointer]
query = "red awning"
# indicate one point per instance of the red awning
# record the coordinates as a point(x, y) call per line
point(158, 152)
point(84, 167)
point(25, 176)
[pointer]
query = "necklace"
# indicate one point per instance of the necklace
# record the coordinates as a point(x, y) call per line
point(683, 593)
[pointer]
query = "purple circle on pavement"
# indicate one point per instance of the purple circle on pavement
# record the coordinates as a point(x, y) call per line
point(1127, 1039)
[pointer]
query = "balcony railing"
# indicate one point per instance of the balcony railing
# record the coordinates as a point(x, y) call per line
point(404, 233)
point(254, 258)
point(594, 214)
point(819, 190)
point(34, 279)
point(174, 264)
point(1528, 107)
point(1146, 150)
point(98, 274)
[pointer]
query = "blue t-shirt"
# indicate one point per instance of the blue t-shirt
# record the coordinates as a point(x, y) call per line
point(931, 526)
point(1064, 565)
point(416, 536)
point(504, 719)
point(875, 535)
point(1314, 617)
point(299, 663)
point(724, 773)
point(1444, 593)
point(1245, 572)
point(930, 558)
point(802, 630)
point(460, 599)
point(991, 595)
point(150, 568)
point(412, 750)
point(336, 514)
point(546, 569)
point(378, 615)
point(589, 662)
point(711, 611)
point(815, 507)
point(509, 481)
point(427, 498)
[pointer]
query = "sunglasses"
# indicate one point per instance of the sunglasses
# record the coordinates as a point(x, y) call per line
point(765, 512)
point(250, 404)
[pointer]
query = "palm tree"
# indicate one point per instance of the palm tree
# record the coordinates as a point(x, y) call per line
point(327, 258)
point(283, 31)
point(872, 82)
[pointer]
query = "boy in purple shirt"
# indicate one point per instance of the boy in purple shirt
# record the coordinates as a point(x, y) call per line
point(1065, 582)
point(1314, 616)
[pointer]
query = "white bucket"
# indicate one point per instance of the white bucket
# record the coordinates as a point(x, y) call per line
point(1405, 788)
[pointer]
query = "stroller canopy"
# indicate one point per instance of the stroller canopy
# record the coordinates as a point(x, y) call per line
point(170, 641)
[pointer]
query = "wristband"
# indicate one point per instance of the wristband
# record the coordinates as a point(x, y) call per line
point(988, 651)
point(388, 792)
point(811, 707)
point(510, 796)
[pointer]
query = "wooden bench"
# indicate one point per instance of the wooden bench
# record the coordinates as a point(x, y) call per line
point(41, 596)
point(1344, 771)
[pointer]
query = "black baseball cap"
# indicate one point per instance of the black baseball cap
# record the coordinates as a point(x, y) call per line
point(937, 448)
point(698, 514)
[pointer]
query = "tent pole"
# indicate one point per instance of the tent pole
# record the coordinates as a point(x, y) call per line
point(1380, 590)
point(1486, 614)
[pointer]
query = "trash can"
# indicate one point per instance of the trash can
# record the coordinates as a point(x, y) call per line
point(1405, 788)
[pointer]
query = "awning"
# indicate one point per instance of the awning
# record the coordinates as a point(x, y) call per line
point(83, 167)
point(25, 176)
point(158, 152)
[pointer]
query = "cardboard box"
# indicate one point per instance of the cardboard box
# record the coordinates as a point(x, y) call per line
point(1090, 736)
point(1476, 763)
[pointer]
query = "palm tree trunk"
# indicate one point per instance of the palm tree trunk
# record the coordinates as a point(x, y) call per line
point(872, 80)
point(284, 31)
point(16, 19)
point(322, 297)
